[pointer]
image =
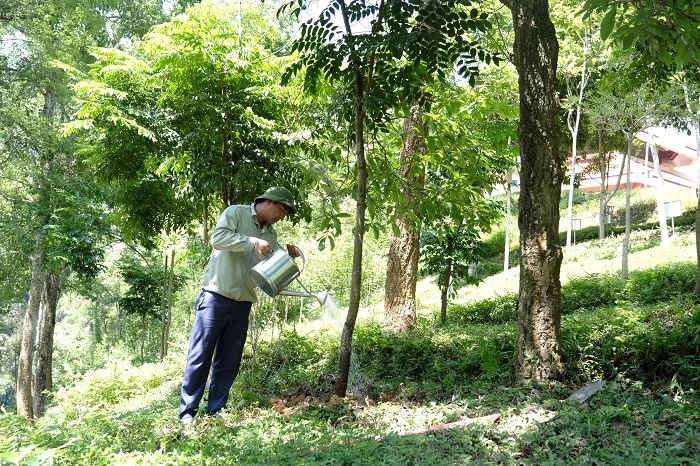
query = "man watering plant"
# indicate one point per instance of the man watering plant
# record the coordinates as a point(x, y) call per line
point(243, 235)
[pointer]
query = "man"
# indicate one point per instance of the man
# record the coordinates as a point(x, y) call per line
point(242, 236)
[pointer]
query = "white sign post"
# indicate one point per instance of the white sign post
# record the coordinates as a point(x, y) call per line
point(575, 226)
point(672, 209)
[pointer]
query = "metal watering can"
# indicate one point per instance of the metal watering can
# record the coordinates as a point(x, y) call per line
point(278, 270)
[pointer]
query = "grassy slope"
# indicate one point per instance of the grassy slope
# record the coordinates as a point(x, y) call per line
point(126, 415)
point(590, 256)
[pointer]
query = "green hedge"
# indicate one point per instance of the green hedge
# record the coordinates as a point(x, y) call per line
point(660, 284)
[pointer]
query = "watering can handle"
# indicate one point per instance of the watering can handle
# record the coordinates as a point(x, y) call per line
point(303, 260)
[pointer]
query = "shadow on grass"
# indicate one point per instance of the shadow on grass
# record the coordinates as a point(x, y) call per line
point(622, 424)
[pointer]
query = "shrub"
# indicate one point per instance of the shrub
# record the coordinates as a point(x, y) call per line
point(591, 292)
point(650, 344)
point(118, 383)
point(661, 284)
point(498, 310)
point(291, 364)
point(432, 363)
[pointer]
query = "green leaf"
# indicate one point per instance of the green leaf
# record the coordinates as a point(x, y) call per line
point(608, 23)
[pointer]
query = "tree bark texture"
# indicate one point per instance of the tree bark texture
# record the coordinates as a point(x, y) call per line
point(42, 378)
point(539, 306)
point(402, 263)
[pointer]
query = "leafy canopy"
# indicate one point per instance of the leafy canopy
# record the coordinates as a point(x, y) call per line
point(194, 112)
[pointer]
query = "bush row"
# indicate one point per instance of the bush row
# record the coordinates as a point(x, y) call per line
point(658, 345)
point(644, 287)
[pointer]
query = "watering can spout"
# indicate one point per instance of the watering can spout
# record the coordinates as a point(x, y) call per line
point(320, 297)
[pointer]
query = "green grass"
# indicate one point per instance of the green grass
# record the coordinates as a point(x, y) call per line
point(642, 337)
point(623, 423)
point(648, 412)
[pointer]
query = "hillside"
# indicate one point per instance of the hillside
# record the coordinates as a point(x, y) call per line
point(437, 395)
point(590, 255)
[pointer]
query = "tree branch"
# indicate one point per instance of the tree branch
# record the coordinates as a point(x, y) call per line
point(681, 36)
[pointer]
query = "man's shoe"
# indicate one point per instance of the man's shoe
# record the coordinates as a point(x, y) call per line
point(187, 419)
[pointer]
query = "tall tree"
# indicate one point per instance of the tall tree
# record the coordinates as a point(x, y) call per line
point(50, 39)
point(665, 39)
point(535, 54)
point(193, 117)
point(378, 70)
point(628, 113)
point(433, 31)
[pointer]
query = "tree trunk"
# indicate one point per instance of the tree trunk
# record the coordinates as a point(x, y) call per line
point(697, 210)
point(606, 195)
point(43, 379)
point(696, 129)
point(506, 251)
point(573, 129)
point(362, 89)
point(697, 246)
point(25, 404)
point(446, 280)
point(358, 238)
point(604, 170)
point(660, 209)
point(628, 213)
point(539, 306)
point(163, 312)
point(402, 264)
point(570, 204)
point(169, 303)
point(143, 337)
point(602, 215)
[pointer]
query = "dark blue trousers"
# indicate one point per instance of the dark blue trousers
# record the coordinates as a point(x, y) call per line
point(219, 332)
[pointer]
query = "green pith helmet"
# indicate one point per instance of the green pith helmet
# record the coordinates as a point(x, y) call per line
point(278, 194)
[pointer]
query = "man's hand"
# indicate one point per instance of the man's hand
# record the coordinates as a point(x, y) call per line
point(262, 247)
point(293, 251)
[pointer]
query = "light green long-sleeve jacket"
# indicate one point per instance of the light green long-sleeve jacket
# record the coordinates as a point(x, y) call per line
point(233, 240)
